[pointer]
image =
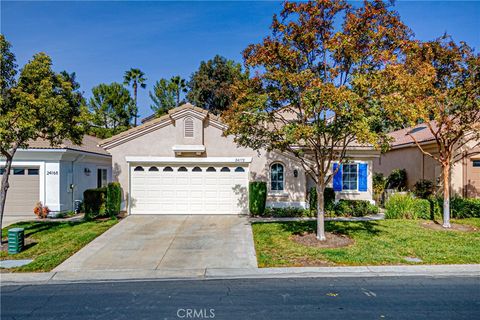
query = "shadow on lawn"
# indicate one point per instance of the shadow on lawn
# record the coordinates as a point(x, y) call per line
point(40, 226)
point(339, 227)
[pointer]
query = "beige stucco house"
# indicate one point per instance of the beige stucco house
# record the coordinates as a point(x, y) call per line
point(181, 163)
point(404, 154)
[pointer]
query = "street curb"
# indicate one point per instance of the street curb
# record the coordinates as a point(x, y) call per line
point(59, 277)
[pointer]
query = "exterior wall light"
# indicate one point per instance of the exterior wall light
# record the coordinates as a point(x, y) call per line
point(295, 173)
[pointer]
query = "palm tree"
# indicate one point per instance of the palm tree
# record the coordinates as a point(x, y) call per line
point(135, 77)
point(180, 86)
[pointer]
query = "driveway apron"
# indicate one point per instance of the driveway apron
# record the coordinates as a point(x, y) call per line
point(150, 242)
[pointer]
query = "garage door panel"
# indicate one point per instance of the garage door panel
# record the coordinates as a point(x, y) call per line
point(190, 192)
point(23, 193)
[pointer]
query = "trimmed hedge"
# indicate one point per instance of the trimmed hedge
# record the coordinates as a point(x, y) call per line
point(354, 208)
point(464, 208)
point(405, 206)
point(257, 196)
point(328, 197)
point(114, 198)
point(94, 202)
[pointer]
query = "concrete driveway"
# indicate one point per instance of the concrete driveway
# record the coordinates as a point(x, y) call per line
point(155, 242)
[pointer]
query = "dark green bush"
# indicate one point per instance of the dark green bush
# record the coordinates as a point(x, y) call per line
point(397, 180)
point(287, 212)
point(114, 198)
point(328, 197)
point(354, 208)
point(94, 202)
point(257, 196)
point(461, 208)
point(379, 184)
point(423, 189)
point(405, 206)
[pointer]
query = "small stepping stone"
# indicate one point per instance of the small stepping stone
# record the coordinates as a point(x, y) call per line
point(14, 263)
point(412, 259)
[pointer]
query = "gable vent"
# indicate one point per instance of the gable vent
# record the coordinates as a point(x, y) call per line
point(188, 128)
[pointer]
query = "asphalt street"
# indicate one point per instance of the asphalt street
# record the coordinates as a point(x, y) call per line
point(301, 298)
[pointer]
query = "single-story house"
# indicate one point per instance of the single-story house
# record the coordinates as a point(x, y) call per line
point(55, 175)
point(405, 154)
point(181, 163)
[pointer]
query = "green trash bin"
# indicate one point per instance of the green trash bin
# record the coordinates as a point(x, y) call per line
point(15, 240)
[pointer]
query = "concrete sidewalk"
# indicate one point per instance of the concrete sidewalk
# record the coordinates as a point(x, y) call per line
point(231, 273)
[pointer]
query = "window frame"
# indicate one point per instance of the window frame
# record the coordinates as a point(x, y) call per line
point(475, 163)
point(349, 180)
point(102, 177)
point(276, 181)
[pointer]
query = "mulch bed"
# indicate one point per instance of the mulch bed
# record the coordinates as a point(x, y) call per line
point(434, 225)
point(334, 240)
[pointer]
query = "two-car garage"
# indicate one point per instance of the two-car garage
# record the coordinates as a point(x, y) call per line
point(188, 188)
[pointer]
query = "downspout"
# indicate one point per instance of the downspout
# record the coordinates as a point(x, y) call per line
point(72, 186)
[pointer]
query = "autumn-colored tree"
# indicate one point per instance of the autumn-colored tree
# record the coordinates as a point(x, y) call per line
point(436, 83)
point(302, 99)
point(42, 104)
point(135, 77)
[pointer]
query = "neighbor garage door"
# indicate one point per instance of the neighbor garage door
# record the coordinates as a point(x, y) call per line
point(23, 193)
point(192, 189)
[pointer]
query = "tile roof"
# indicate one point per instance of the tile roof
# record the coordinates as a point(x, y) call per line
point(403, 137)
point(89, 144)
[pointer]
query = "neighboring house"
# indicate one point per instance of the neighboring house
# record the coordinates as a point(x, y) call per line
point(404, 154)
point(56, 176)
point(181, 163)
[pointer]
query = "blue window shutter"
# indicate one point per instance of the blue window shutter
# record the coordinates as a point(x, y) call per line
point(362, 177)
point(337, 178)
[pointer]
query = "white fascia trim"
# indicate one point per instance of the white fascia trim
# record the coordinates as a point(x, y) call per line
point(236, 160)
point(189, 148)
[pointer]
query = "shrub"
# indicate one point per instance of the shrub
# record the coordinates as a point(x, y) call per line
point(397, 180)
point(405, 206)
point(287, 212)
point(355, 208)
point(463, 208)
point(423, 189)
point(114, 198)
point(94, 201)
point(328, 197)
point(379, 184)
point(257, 195)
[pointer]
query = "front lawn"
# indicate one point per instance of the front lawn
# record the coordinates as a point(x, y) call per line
point(51, 243)
point(381, 242)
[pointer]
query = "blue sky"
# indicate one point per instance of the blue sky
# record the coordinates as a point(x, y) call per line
point(99, 40)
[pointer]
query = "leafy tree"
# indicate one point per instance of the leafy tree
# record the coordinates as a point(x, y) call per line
point(112, 109)
point(166, 94)
point(436, 83)
point(43, 104)
point(303, 99)
point(135, 77)
point(210, 85)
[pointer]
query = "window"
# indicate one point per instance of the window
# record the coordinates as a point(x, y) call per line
point(19, 172)
point(169, 169)
point(139, 168)
point(350, 176)
point(239, 169)
point(197, 169)
point(476, 163)
point(33, 172)
point(102, 177)
point(188, 128)
point(2, 170)
point(211, 169)
point(182, 169)
point(277, 177)
point(225, 169)
point(153, 169)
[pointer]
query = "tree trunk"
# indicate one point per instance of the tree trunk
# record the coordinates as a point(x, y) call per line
point(135, 101)
point(4, 189)
point(446, 196)
point(320, 212)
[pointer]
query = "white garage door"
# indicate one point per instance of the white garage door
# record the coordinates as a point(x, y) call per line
point(188, 189)
point(24, 192)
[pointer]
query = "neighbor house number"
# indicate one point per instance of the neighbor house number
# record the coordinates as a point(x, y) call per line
point(52, 173)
